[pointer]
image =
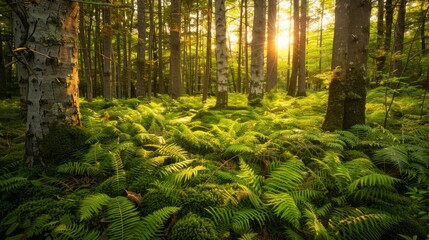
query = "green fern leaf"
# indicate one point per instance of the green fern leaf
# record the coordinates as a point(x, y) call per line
point(123, 217)
point(78, 168)
point(151, 226)
point(188, 173)
point(396, 156)
point(92, 205)
point(75, 231)
point(12, 183)
point(238, 149)
point(285, 207)
point(241, 219)
point(171, 150)
point(371, 180)
point(249, 236)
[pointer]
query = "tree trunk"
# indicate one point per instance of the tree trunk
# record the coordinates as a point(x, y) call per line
point(302, 50)
point(240, 47)
point(208, 68)
point(152, 43)
point(85, 55)
point(107, 52)
point(52, 94)
point(380, 56)
point(423, 28)
point(161, 87)
point(398, 43)
point(175, 86)
point(246, 48)
point(347, 93)
point(221, 55)
point(271, 47)
point(141, 48)
point(322, 14)
point(295, 55)
point(388, 34)
point(257, 65)
point(3, 77)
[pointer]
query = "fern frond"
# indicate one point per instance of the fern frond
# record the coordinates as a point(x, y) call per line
point(171, 150)
point(75, 231)
point(123, 217)
point(251, 179)
point(151, 226)
point(221, 215)
point(92, 205)
point(188, 173)
point(371, 180)
point(168, 189)
point(315, 226)
point(238, 149)
point(286, 177)
point(175, 167)
point(285, 207)
point(396, 156)
point(249, 236)
point(242, 218)
point(12, 183)
point(78, 168)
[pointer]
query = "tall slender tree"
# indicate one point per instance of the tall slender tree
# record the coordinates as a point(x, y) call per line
point(347, 93)
point(257, 65)
point(85, 55)
point(398, 42)
point(302, 50)
point(107, 52)
point(208, 68)
point(272, 53)
point(141, 48)
point(295, 55)
point(221, 55)
point(3, 79)
point(175, 86)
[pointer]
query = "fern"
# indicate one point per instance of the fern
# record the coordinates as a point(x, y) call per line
point(12, 183)
point(395, 156)
point(74, 231)
point(238, 149)
point(171, 150)
point(285, 207)
point(123, 217)
point(188, 173)
point(372, 180)
point(78, 168)
point(92, 205)
point(286, 177)
point(249, 236)
point(315, 226)
point(151, 225)
point(174, 167)
point(250, 178)
point(241, 219)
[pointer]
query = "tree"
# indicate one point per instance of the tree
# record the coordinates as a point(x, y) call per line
point(271, 45)
point(257, 62)
point(51, 57)
point(107, 52)
point(141, 26)
point(208, 68)
point(398, 42)
point(175, 86)
point(3, 80)
point(85, 56)
point(295, 55)
point(302, 49)
point(221, 55)
point(347, 93)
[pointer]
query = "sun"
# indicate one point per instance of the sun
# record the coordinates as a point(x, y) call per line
point(282, 40)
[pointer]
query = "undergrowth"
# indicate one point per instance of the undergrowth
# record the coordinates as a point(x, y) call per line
point(181, 169)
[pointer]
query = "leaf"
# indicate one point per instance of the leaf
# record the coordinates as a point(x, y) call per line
point(151, 226)
point(92, 205)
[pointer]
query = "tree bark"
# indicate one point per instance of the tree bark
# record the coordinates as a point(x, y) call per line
point(257, 65)
point(398, 42)
point(388, 34)
point(52, 94)
point(161, 83)
point(221, 55)
point(175, 86)
point(107, 53)
point(271, 45)
point(347, 93)
point(302, 50)
point(3, 77)
point(240, 48)
point(295, 55)
point(141, 48)
point(85, 55)
point(208, 68)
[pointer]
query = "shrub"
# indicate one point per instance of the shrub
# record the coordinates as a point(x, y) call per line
point(192, 226)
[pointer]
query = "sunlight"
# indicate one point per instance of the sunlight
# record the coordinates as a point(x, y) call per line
point(282, 40)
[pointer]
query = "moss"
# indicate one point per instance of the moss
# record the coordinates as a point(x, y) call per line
point(193, 227)
point(62, 143)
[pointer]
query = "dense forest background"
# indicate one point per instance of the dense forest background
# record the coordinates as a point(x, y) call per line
point(299, 119)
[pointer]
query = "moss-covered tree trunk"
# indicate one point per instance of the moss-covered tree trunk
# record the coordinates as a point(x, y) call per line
point(347, 92)
point(52, 60)
point(271, 46)
point(221, 55)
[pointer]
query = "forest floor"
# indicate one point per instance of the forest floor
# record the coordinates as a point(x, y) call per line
point(181, 169)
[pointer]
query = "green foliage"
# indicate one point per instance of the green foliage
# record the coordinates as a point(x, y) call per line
point(193, 227)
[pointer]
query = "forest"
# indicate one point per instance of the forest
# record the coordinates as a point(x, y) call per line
point(224, 119)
